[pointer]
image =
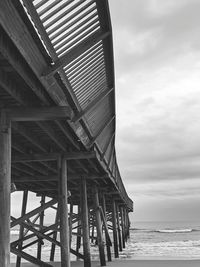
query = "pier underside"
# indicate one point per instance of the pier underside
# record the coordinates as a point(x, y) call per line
point(57, 130)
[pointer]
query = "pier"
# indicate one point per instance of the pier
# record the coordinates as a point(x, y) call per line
point(57, 130)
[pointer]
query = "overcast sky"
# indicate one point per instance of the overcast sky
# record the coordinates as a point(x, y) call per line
point(157, 80)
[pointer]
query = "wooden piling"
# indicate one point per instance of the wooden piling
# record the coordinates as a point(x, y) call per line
point(5, 184)
point(114, 223)
point(85, 224)
point(118, 228)
point(107, 243)
point(70, 224)
point(122, 225)
point(78, 239)
point(63, 207)
point(21, 231)
point(53, 245)
point(99, 228)
point(40, 242)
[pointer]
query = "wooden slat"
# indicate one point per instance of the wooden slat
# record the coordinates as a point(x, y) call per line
point(75, 52)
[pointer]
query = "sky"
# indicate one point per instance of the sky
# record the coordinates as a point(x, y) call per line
point(157, 82)
point(157, 85)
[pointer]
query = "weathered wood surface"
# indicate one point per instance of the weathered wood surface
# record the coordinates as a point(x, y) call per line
point(5, 186)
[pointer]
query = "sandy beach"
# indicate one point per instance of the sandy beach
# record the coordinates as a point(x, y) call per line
point(131, 263)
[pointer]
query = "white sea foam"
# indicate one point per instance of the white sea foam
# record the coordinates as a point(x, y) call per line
point(175, 230)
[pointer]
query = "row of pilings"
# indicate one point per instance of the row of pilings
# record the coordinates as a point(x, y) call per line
point(98, 217)
point(104, 224)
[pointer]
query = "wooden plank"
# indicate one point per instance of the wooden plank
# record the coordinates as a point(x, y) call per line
point(85, 224)
point(5, 184)
point(75, 52)
point(39, 113)
point(63, 208)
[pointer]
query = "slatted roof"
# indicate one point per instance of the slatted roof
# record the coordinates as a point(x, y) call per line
point(61, 53)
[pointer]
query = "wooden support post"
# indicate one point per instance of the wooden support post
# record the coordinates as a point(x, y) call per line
point(40, 241)
point(122, 225)
point(114, 223)
point(92, 232)
point(128, 220)
point(53, 246)
point(107, 244)
point(70, 224)
point(63, 207)
point(78, 239)
point(85, 224)
point(5, 184)
point(118, 228)
point(126, 224)
point(21, 231)
point(99, 228)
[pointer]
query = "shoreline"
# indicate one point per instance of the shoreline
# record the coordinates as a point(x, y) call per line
point(131, 263)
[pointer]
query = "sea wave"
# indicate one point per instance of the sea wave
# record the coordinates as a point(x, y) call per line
point(14, 232)
point(167, 231)
point(176, 231)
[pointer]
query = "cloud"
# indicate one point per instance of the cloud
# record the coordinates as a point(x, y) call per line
point(157, 64)
point(153, 32)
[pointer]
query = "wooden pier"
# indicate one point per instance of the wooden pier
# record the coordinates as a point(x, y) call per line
point(57, 130)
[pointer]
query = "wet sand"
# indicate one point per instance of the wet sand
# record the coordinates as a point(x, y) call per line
point(131, 263)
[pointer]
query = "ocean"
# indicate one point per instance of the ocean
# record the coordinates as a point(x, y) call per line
point(157, 240)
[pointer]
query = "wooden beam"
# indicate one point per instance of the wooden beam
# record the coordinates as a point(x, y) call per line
point(5, 185)
point(63, 208)
point(75, 52)
point(36, 232)
point(98, 99)
point(29, 136)
point(53, 156)
point(12, 89)
point(52, 178)
point(39, 113)
point(29, 258)
point(33, 212)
